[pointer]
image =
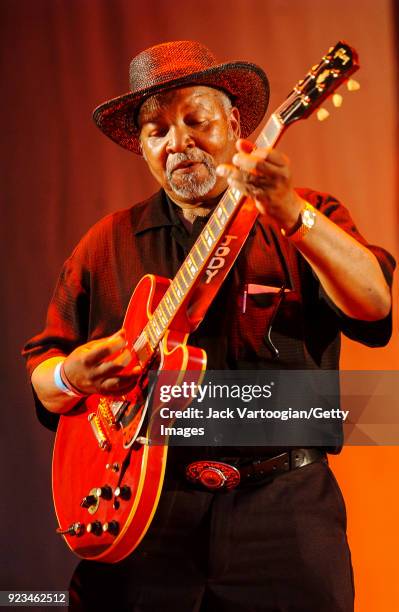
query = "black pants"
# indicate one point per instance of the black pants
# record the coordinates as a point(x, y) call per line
point(274, 547)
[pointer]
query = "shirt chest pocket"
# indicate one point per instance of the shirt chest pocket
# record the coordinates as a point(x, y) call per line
point(269, 323)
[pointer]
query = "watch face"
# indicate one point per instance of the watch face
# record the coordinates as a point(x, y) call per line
point(308, 217)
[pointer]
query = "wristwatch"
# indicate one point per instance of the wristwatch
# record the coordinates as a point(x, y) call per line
point(306, 221)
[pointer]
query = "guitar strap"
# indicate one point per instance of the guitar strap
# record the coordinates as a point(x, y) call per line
point(221, 261)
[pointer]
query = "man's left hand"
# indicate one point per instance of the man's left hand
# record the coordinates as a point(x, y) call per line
point(265, 175)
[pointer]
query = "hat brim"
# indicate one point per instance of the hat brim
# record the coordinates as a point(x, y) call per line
point(245, 83)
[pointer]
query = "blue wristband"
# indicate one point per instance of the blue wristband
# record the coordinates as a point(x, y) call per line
point(59, 383)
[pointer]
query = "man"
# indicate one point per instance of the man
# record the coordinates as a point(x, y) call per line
point(278, 543)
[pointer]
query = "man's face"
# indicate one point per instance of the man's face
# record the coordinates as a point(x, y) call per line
point(185, 134)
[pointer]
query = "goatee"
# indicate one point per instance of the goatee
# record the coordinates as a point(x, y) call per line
point(189, 185)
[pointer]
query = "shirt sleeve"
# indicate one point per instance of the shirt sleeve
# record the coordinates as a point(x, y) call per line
point(66, 323)
point(370, 333)
point(67, 316)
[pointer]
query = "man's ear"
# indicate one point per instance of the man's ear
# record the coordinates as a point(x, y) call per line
point(235, 124)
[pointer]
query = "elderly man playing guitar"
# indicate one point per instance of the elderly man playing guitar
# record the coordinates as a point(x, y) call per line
point(278, 543)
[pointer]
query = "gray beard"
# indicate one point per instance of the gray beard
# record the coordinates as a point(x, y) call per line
point(190, 186)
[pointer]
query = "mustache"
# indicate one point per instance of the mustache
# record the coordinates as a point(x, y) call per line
point(194, 155)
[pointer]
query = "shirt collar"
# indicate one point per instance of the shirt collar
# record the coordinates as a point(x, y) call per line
point(157, 212)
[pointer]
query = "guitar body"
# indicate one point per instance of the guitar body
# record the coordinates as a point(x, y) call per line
point(111, 466)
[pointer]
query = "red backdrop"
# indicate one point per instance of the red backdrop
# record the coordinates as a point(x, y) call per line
point(60, 58)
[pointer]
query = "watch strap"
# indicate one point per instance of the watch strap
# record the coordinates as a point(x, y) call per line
point(307, 218)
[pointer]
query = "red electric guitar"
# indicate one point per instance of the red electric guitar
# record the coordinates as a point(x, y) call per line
point(107, 476)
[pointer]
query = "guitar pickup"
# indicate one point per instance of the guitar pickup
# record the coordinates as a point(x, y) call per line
point(118, 409)
point(99, 433)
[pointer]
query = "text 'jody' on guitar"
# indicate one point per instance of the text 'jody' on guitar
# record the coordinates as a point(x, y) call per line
point(107, 478)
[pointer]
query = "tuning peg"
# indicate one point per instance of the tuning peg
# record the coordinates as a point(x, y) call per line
point(322, 114)
point(353, 85)
point(337, 100)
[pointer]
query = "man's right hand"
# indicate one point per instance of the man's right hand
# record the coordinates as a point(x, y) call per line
point(96, 367)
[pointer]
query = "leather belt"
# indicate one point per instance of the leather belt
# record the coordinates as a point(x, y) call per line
point(214, 475)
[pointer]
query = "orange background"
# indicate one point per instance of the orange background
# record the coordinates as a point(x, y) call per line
point(63, 57)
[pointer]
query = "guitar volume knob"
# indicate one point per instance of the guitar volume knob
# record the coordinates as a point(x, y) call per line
point(88, 501)
point(124, 492)
point(95, 528)
point(112, 527)
point(105, 492)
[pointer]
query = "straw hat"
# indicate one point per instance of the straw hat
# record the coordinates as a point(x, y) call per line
point(181, 64)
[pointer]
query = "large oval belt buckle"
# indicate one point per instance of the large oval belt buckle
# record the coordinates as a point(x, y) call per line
point(213, 475)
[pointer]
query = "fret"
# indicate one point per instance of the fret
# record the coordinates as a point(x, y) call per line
point(221, 215)
point(230, 204)
point(217, 220)
point(151, 334)
point(222, 206)
point(170, 298)
point(208, 237)
point(235, 195)
point(168, 303)
point(173, 290)
point(176, 280)
point(177, 289)
point(186, 267)
point(197, 261)
point(147, 337)
point(161, 308)
point(204, 242)
point(158, 323)
point(199, 252)
point(182, 270)
point(200, 246)
point(191, 266)
point(155, 325)
point(271, 131)
point(214, 229)
point(161, 315)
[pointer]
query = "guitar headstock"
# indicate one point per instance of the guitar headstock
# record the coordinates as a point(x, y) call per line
point(321, 81)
